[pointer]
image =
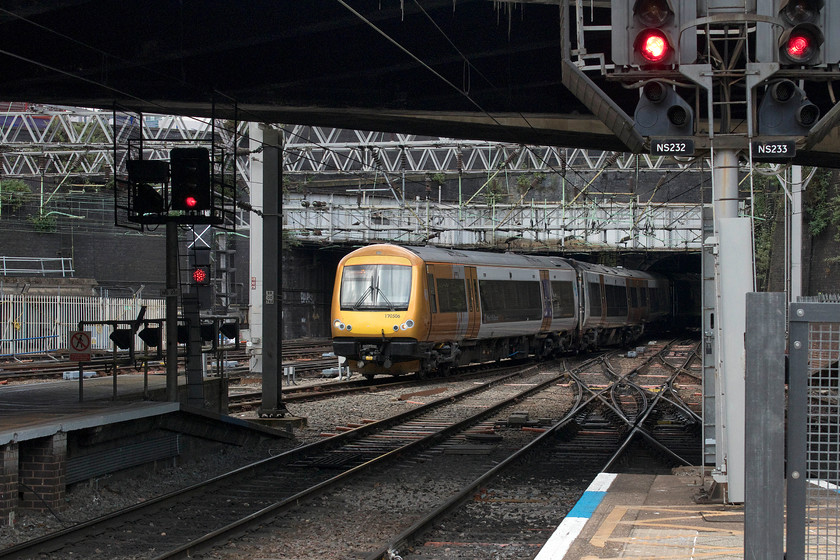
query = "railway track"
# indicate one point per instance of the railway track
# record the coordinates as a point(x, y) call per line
point(513, 508)
point(444, 470)
point(246, 400)
point(174, 525)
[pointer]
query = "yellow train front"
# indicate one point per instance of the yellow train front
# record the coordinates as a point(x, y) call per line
point(380, 310)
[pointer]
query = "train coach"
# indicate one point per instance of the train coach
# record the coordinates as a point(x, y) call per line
point(400, 309)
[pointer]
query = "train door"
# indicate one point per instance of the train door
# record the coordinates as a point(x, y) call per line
point(547, 298)
point(634, 304)
point(450, 321)
point(473, 307)
point(597, 300)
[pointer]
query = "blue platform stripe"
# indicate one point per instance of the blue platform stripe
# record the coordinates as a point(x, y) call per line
point(558, 544)
point(587, 504)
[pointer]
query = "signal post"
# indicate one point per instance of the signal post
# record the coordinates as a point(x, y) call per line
point(727, 81)
point(188, 189)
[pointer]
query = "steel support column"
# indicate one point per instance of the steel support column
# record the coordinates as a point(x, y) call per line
point(171, 311)
point(796, 188)
point(272, 398)
point(734, 279)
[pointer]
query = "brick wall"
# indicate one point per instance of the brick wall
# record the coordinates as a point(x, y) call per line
point(42, 464)
point(8, 482)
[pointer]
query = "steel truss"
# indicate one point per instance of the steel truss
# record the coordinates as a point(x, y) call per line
point(318, 150)
point(41, 140)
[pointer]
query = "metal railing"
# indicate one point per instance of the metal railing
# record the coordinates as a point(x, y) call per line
point(42, 324)
point(36, 266)
point(574, 226)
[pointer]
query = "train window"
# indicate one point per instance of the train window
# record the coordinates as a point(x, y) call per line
point(430, 280)
point(506, 300)
point(452, 295)
point(594, 299)
point(634, 297)
point(616, 300)
point(643, 296)
point(375, 286)
point(563, 299)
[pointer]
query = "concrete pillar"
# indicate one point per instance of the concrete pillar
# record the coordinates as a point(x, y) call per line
point(41, 471)
point(8, 483)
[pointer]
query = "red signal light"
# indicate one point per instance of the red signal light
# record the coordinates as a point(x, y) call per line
point(801, 46)
point(191, 202)
point(200, 275)
point(653, 45)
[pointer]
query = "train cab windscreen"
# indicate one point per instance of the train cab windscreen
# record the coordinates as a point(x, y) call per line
point(375, 287)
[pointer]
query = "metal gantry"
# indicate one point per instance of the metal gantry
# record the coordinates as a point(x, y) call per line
point(56, 141)
point(48, 140)
point(326, 151)
point(581, 226)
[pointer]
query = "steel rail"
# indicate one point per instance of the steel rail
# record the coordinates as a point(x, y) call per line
point(389, 551)
point(242, 525)
point(99, 524)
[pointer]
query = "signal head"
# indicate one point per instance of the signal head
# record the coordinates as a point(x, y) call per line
point(786, 111)
point(801, 11)
point(653, 13)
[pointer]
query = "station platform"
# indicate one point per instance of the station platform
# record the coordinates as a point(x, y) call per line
point(647, 516)
point(50, 438)
point(34, 410)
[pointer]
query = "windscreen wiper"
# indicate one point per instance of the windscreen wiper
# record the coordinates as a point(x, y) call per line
point(391, 306)
point(364, 295)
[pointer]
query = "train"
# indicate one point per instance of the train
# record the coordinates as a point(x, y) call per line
point(400, 309)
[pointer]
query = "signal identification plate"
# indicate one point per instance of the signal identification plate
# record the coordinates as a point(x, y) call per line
point(773, 149)
point(672, 146)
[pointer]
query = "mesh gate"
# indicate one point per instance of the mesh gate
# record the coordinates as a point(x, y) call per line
point(813, 466)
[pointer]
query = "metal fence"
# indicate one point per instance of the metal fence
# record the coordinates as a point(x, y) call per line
point(42, 324)
point(813, 471)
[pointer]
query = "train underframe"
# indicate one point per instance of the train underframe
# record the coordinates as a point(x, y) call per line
point(402, 356)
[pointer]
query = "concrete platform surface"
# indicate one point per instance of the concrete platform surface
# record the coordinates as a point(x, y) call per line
point(648, 516)
point(35, 410)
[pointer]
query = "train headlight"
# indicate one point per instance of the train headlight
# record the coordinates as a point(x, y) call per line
point(338, 324)
point(396, 328)
point(407, 325)
point(349, 328)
